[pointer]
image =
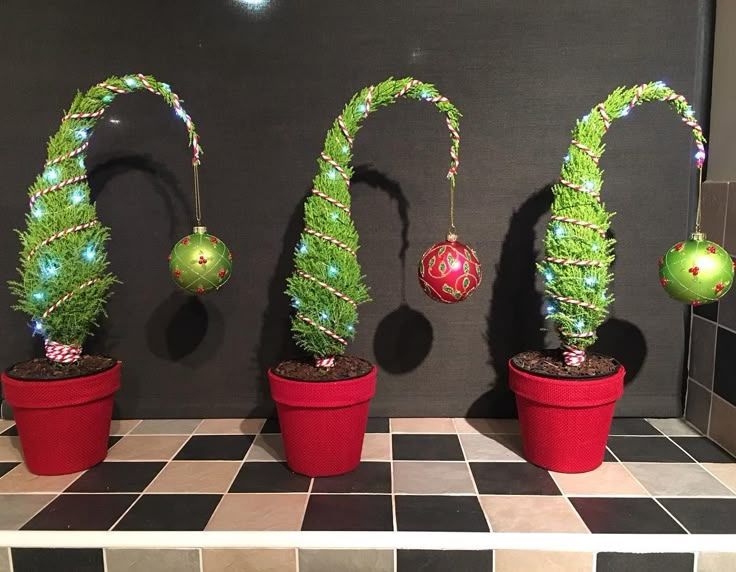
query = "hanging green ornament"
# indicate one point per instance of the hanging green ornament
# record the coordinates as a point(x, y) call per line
point(200, 262)
point(696, 271)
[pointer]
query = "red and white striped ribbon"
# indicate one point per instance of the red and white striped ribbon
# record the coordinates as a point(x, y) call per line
point(147, 84)
point(593, 193)
point(604, 116)
point(68, 295)
point(321, 328)
point(368, 100)
point(325, 362)
point(330, 200)
point(89, 115)
point(335, 165)
point(327, 287)
point(69, 155)
point(330, 239)
point(573, 301)
point(578, 335)
point(407, 87)
point(637, 96)
point(573, 357)
point(62, 353)
point(572, 261)
point(579, 222)
point(37, 195)
point(113, 88)
point(454, 158)
point(587, 150)
point(344, 129)
point(61, 233)
point(438, 99)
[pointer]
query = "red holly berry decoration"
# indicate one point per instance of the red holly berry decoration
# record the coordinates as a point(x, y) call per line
point(663, 281)
point(718, 287)
point(200, 290)
point(202, 259)
point(694, 270)
point(177, 273)
point(678, 247)
point(185, 240)
point(222, 273)
point(711, 249)
point(449, 271)
point(213, 239)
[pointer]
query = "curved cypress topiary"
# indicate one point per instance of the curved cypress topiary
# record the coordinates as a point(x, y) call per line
point(64, 281)
point(578, 252)
point(327, 285)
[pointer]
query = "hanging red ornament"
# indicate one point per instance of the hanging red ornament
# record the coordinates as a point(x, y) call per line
point(449, 271)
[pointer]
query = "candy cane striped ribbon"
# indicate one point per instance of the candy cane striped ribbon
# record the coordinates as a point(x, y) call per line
point(573, 301)
point(330, 239)
point(579, 222)
point(604, 116)
point(61, 233)
point(587, 150)
point(321, 328)
point(329, 199)
point(344, 129)
point(438, 99)
point(407, 87)
point(69, 155)
point(454, 159)
point(37, 195)
point(572, 261)
point(573, 357)
point(637, 96)
point(147, 84)
point(325, 362)
point(89, 115)
point(112, 87)
point(335, 165)
point(327, 287)
point(595, 194)
point(62, 353)
point(68, 295)
point(368, 100)
point(580, 335)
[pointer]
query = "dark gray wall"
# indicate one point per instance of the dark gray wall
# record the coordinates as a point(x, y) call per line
point(263, 87)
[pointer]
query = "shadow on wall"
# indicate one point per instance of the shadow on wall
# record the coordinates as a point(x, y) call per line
point(403, 338)
point(516, 322)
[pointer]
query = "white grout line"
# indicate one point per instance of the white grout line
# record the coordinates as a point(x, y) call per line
point(557, 542)
point(672, 516)
point(394, 519)
point(201, 560)
point(475, 486)
point(104, 560)
point(10, 559)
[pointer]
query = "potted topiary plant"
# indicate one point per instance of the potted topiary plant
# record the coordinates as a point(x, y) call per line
point(322, 400)
point(566, 398)
point(63, 402)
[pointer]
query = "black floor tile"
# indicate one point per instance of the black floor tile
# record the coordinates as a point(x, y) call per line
point(704, 516)
point(440, 513)
point(369, 477)
point(81, 512)
point(632, 426)
point(266, 477)
point(624, 515)
point(271, 426)
point(348, 512)
point(619, 562)
point(170, 512)
point(377, 425)
point(112, 439)
point(57, 559)
point(11, 431)
point(704, 450)
point(647, 450)
point(215, 448)
point(444, 560)
point(112, 477)
point(427, 448)
point(7, 467)
point(497, 478)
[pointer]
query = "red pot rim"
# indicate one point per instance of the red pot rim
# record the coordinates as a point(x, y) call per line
point(567, 392)
point(322, 394)
point(61, 392)
point(7, 369)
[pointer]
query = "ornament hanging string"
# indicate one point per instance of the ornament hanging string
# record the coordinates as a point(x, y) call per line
point(452, 232)
point(700, 200)
point(197, 202)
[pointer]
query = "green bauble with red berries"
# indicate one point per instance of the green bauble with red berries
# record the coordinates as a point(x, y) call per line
point(200, 262)
point(696, 271)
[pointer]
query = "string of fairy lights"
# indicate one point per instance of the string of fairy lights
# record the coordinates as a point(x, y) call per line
point(591, 151)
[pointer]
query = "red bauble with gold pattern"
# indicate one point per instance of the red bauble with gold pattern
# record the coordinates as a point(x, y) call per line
point(449, 271)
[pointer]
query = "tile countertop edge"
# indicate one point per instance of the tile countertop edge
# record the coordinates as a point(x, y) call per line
point(566, 542)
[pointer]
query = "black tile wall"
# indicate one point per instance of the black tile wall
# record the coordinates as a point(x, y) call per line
point(697, 407)
point(715, 201)
point(707, 311)
point(702, 343)
point(724, 381)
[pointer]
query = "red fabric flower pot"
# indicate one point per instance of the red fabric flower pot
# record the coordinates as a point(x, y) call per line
point(323, 423)
point(63, 424)
point(565, 422)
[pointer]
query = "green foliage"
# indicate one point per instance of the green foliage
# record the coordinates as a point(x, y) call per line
point(50, 271)
point(327, 262)
point(567, 240)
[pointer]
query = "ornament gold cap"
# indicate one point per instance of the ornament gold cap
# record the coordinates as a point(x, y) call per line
point(698, 236)
point(200, 229)
point(451, 237)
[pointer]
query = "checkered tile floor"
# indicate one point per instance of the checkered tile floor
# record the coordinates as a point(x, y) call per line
point(455, 475)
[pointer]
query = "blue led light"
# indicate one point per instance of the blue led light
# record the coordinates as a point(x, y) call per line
point(350, 328)
point(49, 269)
point(589, 186)
point(361, 108)
point(345, 148)
point(39, 295)
point(332, 270)
point(624, 112)
point(549, 275)
point(580, 325)
point(108, 98)
point(38, 327)
point(603, 295)
point(331, 174)
point(590, 281)
point(89, 253)
point(323, 316)
point(689, 112)
point(80, 162)
point(595, 248)
point(559, 231)
point(550, 309)
point(335, 215)
point(586, 117)
point(37, 212)
point(303, 248)
point(660, 85)
point(76, 197)
point(51, 174)
point(81, 134)
point(165, 87)
point(130, 82)
point(567, 158)
point(700, 155)
point(296, 302)
point(181, 113)
point(425, 95)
